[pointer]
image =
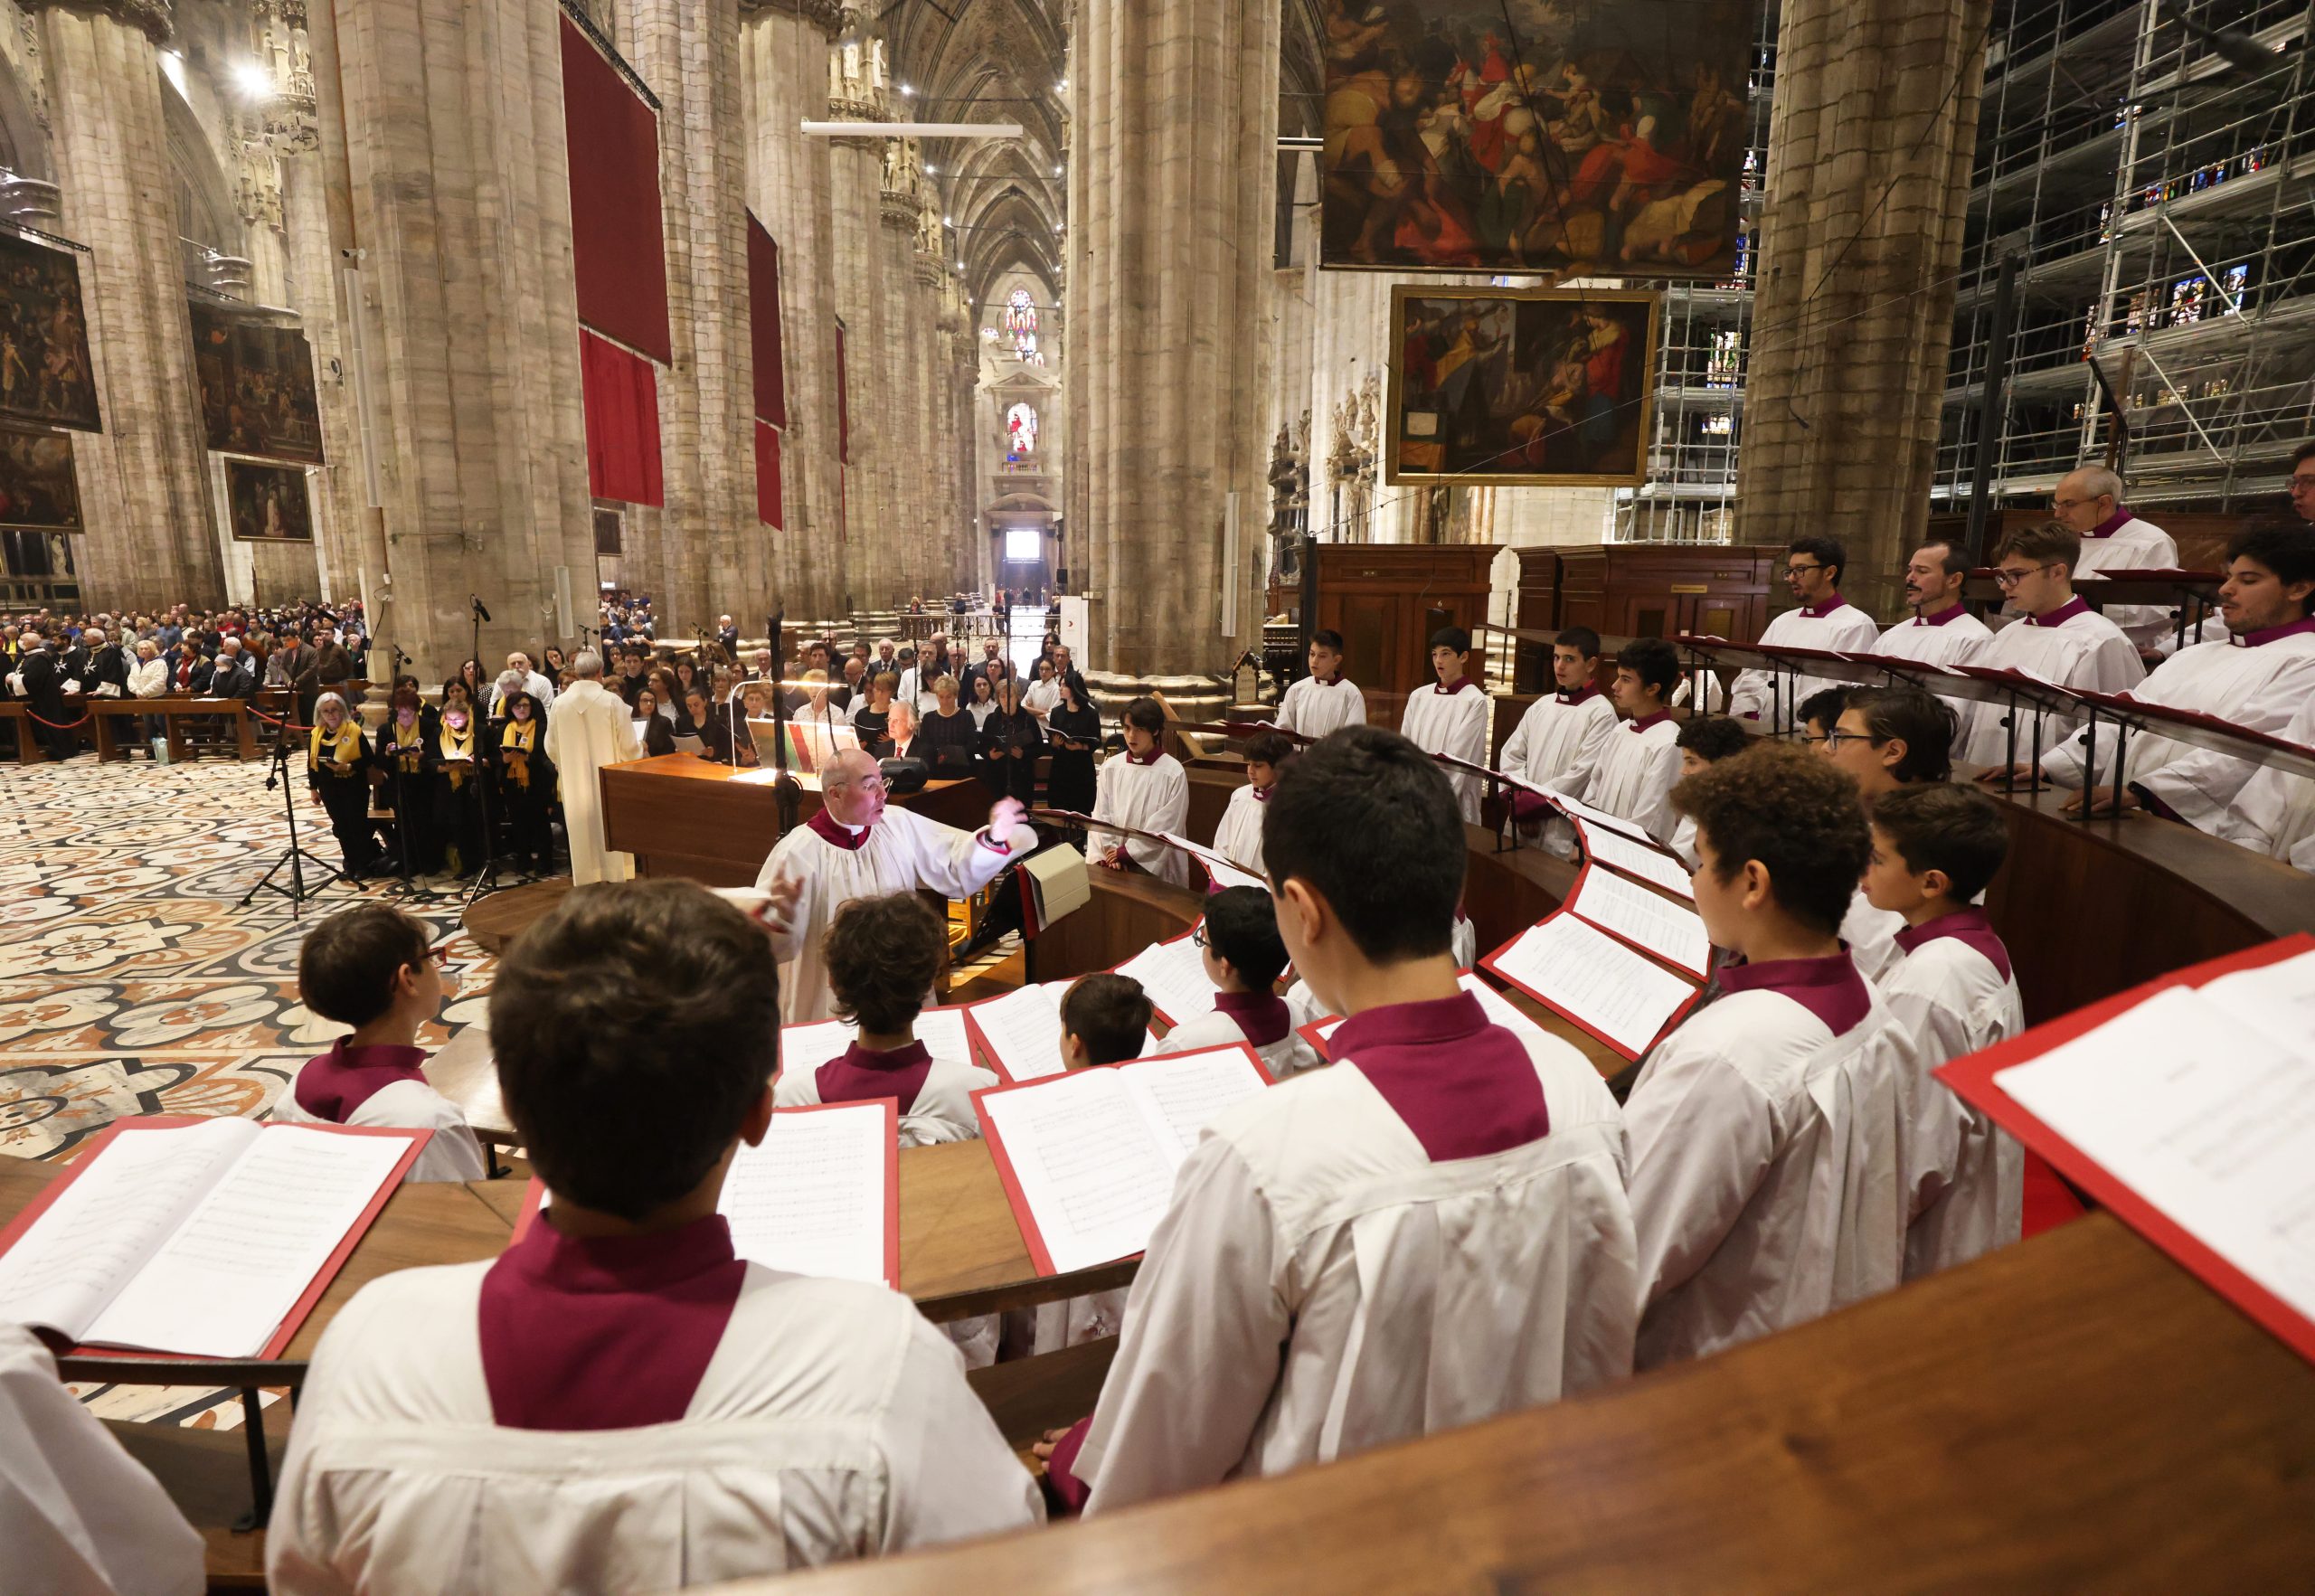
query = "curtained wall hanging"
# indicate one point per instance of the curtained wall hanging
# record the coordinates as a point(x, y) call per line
point(620, 395)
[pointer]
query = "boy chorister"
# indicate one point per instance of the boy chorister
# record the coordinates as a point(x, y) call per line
point(1429, 1233)
point(1703, 740)
point(1452, 716)
point(1238, 835)
point(884, 954)
point(1145, 788)
point(1324, 700)
point(1244, 958)
point(1637, 766)
point(1104, 1020)
point(1886, 738)
point(1766, 1131)
point(370, 966)
point(1934, 849)
point(618, 1401)
point(1561, 735)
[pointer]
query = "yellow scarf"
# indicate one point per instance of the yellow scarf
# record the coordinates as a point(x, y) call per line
point(457, 754)
point(516, 745)
point(411, 753)
point(341, 749)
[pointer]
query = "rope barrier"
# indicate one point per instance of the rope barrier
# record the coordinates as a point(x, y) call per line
point(59, 725)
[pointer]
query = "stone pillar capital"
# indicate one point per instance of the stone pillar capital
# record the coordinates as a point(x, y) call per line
point(154, 18)
point(827, 15)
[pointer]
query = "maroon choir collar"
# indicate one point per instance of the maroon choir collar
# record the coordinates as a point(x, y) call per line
point(1262, 794)
point(1463, 1085)
point(1263, 1017)
point(2077, 605)
point(1970, 926)
point(1333, 681)
point(333, 1086)
point(2111, 524)
point(1590, 690)
point(1945, 617)
point(2300, 627)
point(1828, 988)
point(608, 1333)
point(1449, 689)
point(1157, 751)
point(1817, 611)
point(836, 834)
point(1643, 723)
point(861, 1074)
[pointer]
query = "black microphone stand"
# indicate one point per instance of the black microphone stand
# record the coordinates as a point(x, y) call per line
point(787, 796)
point(295, 857)
point(487, 874)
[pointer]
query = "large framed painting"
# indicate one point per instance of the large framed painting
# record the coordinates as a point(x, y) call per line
point(1500, 387)
point(1573, 139)
point(268, 504)
point(37, 489)
point(45, 372)
point(257, 387)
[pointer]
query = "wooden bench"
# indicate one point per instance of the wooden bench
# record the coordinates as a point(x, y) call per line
point(173, 710)
point(18, 714)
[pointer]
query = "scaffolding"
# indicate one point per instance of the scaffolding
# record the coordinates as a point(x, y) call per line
point(2157, 182)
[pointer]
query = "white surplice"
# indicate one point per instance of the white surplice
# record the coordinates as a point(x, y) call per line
point(1153, 797)
point(1952, 636)
point(1767, 1171)
point(590, 728)
point(1633, 777)
point(1319, 1286)
point(1835, 624)
point(1554, 746)
point(2274, 813)
point(1455, 723)
point(1314, 708)
point(2133, 545)
point(2257, 682)
point(2072, 646)
point(904, 853)
point(943, 1110)
point(832, 1422)
point(1967, 1176)
point(1871, 935)
point(451, 1153)
point(79, 1517)
point(1238, 836)
point(1289, 1055)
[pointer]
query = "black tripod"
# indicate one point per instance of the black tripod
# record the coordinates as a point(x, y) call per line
point(295, 857)
point(488, 875)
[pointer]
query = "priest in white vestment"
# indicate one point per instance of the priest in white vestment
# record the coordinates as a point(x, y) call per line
point(1559, 739)
point(857, 847)
point(1324, 700)
point(2089, 504)
point(1453, 716)
point(1812, 570)
point(2059, 640)
point(1144, 789)
point(1941, 631)
point(591, 727)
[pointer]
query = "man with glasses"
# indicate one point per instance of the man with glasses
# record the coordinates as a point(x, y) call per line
point(2302, 482)
point(2089, 504)
point(1812, 570)
point(854, 847)
point(2060, 640)
point(1942, 631)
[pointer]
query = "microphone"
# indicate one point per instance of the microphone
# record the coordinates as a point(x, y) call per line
point(480, 613)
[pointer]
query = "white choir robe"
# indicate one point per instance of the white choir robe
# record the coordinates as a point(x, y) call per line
point(1554, 746)
point(2129, 544)
point(1951, 636)
point(1455, 723)
point(1767, 1161)
point(1967, 1176)
point(1834, 624)
point(590, 728)
point(903, 853)
point(832, 1423)
point(1462, 942)
point(1152, 797)
point(1320, 1286)
point(943, 1110)
point(1684, 843)
point(2257, 682)
point(1314, 708)
point(451, 1153)
point(1633, 778)
point(1238, 836)
point(2274, 813)
point(79, 1517)
point(1870, 935)
point(2071, 647)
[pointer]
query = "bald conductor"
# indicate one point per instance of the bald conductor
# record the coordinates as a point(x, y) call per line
point(856, 848)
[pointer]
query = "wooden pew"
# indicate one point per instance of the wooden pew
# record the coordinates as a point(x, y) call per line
point(109, 713)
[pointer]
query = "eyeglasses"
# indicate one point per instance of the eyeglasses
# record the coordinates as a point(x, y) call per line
point(1198, 936)
point(2070, 504)
point(1834, 739)
point(440, 954)
point(2302, 484)
point(2006, 578)
point(1804, 570)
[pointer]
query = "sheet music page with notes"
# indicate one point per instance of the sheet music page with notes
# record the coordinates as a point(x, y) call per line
point(1576, 808)
point(1174, 976)
point(1181, 1092)
point(811, 1200)
point(1093, 1172)
point(1649, 920)
point(808, 1047)
point(1648, 862)
point(1595, 980)
point(1022, 1028)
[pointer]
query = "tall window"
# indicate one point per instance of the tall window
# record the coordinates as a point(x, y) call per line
point(1020, 434)
point(1021, 322)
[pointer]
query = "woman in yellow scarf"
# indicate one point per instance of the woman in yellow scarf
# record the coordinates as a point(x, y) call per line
point(338, 769)
point(526, 784)
point(458, 781)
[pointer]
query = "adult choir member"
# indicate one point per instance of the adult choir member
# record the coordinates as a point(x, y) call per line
point(1011, 740)
point(338, 769)
point(2059, 640)
point(591, 728)
point(856, 848)
point(1326, 699)
point(526, 784)
point(1812, 570)
point(1452, 716)
point(1559, 739)
point(1073, 731)
point(1145, 788)
point(1941, 631)
point(1638, 762)
point(2088, 502)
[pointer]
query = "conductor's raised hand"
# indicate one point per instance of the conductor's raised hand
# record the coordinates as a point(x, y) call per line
point(779, 914)
point(1006, 817)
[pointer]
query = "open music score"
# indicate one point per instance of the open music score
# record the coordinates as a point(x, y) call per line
point(1087, 1158)
point(1650, 922)
point(805, 1048)
point(1643, 861)
point(1580, 973)
point(1019, 1033)
point(1173, 973)
point(206, 1238)
point(1220, 869)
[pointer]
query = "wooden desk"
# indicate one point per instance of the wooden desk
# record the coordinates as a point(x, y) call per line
point(680, 815)
point(2071, 1413)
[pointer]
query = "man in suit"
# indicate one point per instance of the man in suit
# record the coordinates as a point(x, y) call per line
point(299, 662)
point(333, 667)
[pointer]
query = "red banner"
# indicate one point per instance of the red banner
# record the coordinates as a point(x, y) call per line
point(621, 393)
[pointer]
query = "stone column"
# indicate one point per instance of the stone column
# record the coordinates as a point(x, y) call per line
point(144, 480)
point(857, 93)
point(899, 463)
point(1174, 112)
point(1870, 145)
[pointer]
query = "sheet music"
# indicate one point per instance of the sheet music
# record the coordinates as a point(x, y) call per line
point(1498, 1007)
point(2209, 1119)
point(1576, 808)
point(1673, 931)
point(1595, 980)
point(811, 1200)
point(1180, 1093)
point(1224, 873)
point(2279, 998)
point(1091, 1169)
point(225, 1281)
point(808, 1047)
point(1174, 975)
point(104, 1226)
point(1650, 864)
point(1024, 1029)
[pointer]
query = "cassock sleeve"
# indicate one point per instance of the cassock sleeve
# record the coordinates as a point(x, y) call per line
point(783, 861)
point(952, 863)
point(1518, 748)
point(2199, 785)
point(1284, 719)
point(950, 1476)
point(1206, 1329)
point(1654, 813)
point(1700, 1142)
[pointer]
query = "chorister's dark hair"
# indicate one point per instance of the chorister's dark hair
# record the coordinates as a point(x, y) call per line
point(1368, 822)
point(1328, 637)
point(1939, 825)
point(1452, 637)
point(1146, 713)
point(1582, 639)
point(1269, 747)
point(2286, 548)
point(1824, 706)
point(2301, 455)
point(1797, 813)
point(1712, 738)
point(635, 1026)
point(1110, 1014)
point(348, 964)
point(1242, 928)
point(2046, 542)
point(883, 955)
point(1922, 722)
point(1825, 551)
point(1653, 660)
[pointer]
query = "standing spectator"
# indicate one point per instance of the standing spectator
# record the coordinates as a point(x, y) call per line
point(40, 679)
point(1073, 728)
point(1011, 740)
point(333, 667)
point(230, 675)
point(108, 666)
point(149, 678)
